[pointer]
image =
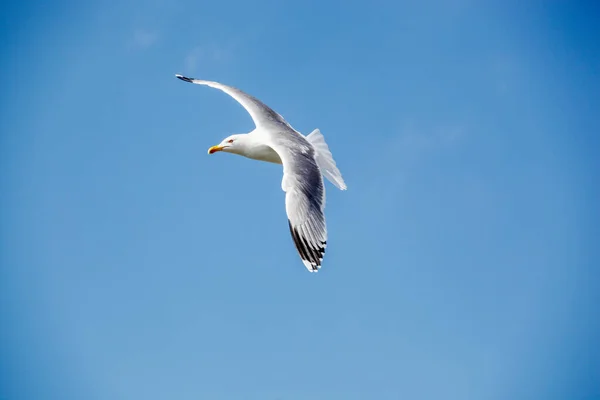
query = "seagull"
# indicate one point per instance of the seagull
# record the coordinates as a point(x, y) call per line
point(305, 160)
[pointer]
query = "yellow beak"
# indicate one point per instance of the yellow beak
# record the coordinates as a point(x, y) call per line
point(214, 149)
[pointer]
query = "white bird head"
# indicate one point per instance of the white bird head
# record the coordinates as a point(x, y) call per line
point(232, 144)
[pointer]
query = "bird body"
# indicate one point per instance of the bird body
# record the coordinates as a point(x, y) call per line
point(305, 160)
point(249, 145)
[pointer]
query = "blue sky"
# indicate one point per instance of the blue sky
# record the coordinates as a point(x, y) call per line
point(462, 260)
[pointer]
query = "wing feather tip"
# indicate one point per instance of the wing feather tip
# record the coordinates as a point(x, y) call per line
point(311, 267)
point(185, 78)
point(311, 256)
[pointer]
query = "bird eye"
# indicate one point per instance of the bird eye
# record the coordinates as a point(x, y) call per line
point(230, 141)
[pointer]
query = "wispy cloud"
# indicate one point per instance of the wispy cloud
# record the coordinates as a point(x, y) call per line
point(414, 140)
point(209, 54)
point(143, 39)
point(414, 146)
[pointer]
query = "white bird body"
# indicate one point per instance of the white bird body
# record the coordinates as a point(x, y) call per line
point(305, 161)
point(262, 152)
point(250, 146)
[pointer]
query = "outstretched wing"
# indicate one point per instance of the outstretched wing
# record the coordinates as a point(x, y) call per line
point(304, 205)
point(261, 114)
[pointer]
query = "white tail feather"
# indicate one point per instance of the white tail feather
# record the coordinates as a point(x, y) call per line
point(325, 160)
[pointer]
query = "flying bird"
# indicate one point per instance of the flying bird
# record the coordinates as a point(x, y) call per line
point(305, 160)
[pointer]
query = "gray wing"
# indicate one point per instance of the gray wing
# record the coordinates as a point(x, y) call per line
point(304, 205)
point(261, 114)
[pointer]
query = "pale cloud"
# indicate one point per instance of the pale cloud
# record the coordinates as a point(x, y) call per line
point(414, 140)
point(207, 54)
point(413, 146)
point(143, 39)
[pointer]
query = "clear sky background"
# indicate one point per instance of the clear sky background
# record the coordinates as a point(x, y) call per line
point(462, 261)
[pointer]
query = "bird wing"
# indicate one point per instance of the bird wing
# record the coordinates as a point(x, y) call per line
point(304, 204)
point(261, 114)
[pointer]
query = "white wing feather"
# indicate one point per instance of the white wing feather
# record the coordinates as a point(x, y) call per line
point(260, 113)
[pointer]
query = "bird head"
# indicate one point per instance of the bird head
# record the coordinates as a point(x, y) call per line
point(231, 144)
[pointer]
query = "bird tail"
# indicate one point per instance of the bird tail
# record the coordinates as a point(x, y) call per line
point(325, 160)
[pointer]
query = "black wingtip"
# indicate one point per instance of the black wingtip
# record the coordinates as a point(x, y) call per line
point(314, 256)
point(185, 78)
